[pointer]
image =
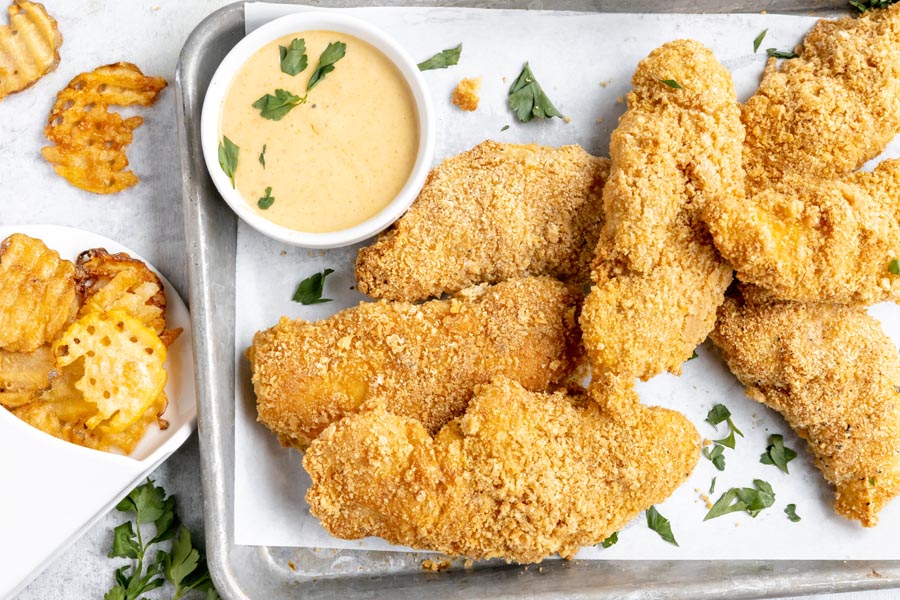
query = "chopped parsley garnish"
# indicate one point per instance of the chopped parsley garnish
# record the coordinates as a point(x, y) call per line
point(781, 54)
point(777, 453)
point(712, 486)
point(442, 60)
point(611, 540)
point(791, 511)
point(275, 107)
point(293, 57)
point(894, 267)
point(228, 157)
point(750, 500)
point(266, 201)
point(671, 83)
point(333, 53)
point(864, 5)
point(528, 101)
point(716, 456)
point(694, 355)
point(720, 413)
point(660, 525)
point(504, 128)
point(262, 157)
point(310, 289)
point(758, 40)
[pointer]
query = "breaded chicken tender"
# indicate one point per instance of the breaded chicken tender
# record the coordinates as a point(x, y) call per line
point(824, 114)
point(496, 212)
point(37, 294)
point(424, 360)
point(823, 240)
point(521, 476)
point(835, 376)
point(657, 276)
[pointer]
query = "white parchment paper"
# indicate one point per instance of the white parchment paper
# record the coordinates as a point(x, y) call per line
point(584, 62)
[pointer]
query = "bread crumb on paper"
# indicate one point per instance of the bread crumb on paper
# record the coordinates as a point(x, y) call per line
point(465, 95)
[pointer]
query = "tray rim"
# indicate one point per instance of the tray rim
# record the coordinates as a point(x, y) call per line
point(213, 375)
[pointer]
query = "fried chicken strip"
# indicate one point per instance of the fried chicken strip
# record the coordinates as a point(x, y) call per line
point(521, 476)
point(835, 376)
point(824, 114)
point(423, 359)
point(657, 276)
point(496, 212)
point(37, 294)
point(821, 240)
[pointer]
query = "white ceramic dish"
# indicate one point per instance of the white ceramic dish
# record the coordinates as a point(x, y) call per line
point(53, 491)
point(297, 23)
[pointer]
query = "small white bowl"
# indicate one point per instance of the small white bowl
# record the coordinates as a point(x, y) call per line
point(298, 23)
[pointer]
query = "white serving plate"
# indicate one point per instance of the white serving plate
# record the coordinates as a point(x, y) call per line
point(52, 491)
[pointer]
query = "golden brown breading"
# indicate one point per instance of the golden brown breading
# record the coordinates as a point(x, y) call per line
point(37, 294)
point(423, 359)
point(521, 476)
point(496, 212)
point(465, 95)
point(818, 240)
point(658, 278)
point(824, 114)
point(835, 376)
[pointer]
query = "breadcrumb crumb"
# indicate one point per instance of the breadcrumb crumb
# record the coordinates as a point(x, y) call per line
point(465, 96)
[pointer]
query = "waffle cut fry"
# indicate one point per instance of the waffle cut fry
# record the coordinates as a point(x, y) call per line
point(89, 141)
point(29, 46)
point(123, 362)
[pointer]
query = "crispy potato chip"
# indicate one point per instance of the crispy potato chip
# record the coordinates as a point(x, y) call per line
point(37, 294)
point(29, 46)
point(123, 363)
point(117, 281)
point(24, 375)
point(90, 142)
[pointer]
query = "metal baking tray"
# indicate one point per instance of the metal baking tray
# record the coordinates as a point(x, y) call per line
point(273, 573)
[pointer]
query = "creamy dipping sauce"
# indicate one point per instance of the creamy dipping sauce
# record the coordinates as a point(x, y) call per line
point(335, 161)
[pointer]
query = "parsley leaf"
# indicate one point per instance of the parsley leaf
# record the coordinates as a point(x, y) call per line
point(717, 414)
point(712, 486)
point(262, 156)
point(716, 456)
point(310, 289)
point(791, 511)
point(528, 101)
point(671, 83)
point(266, 201)
point(228, 157)
point(660, 525)
point(333, 53)
point(781, 54)
point(864, 5)
point(777, 453)
point(182, 561)
point(183, 566)
point(694, 355)
point(752, 500)
point(293, 58)
point(758, 40)
point(275, 107)
point(894, 267)
point(720, 413)
point(611, 540)
point(442, 60)
point(504, 128)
